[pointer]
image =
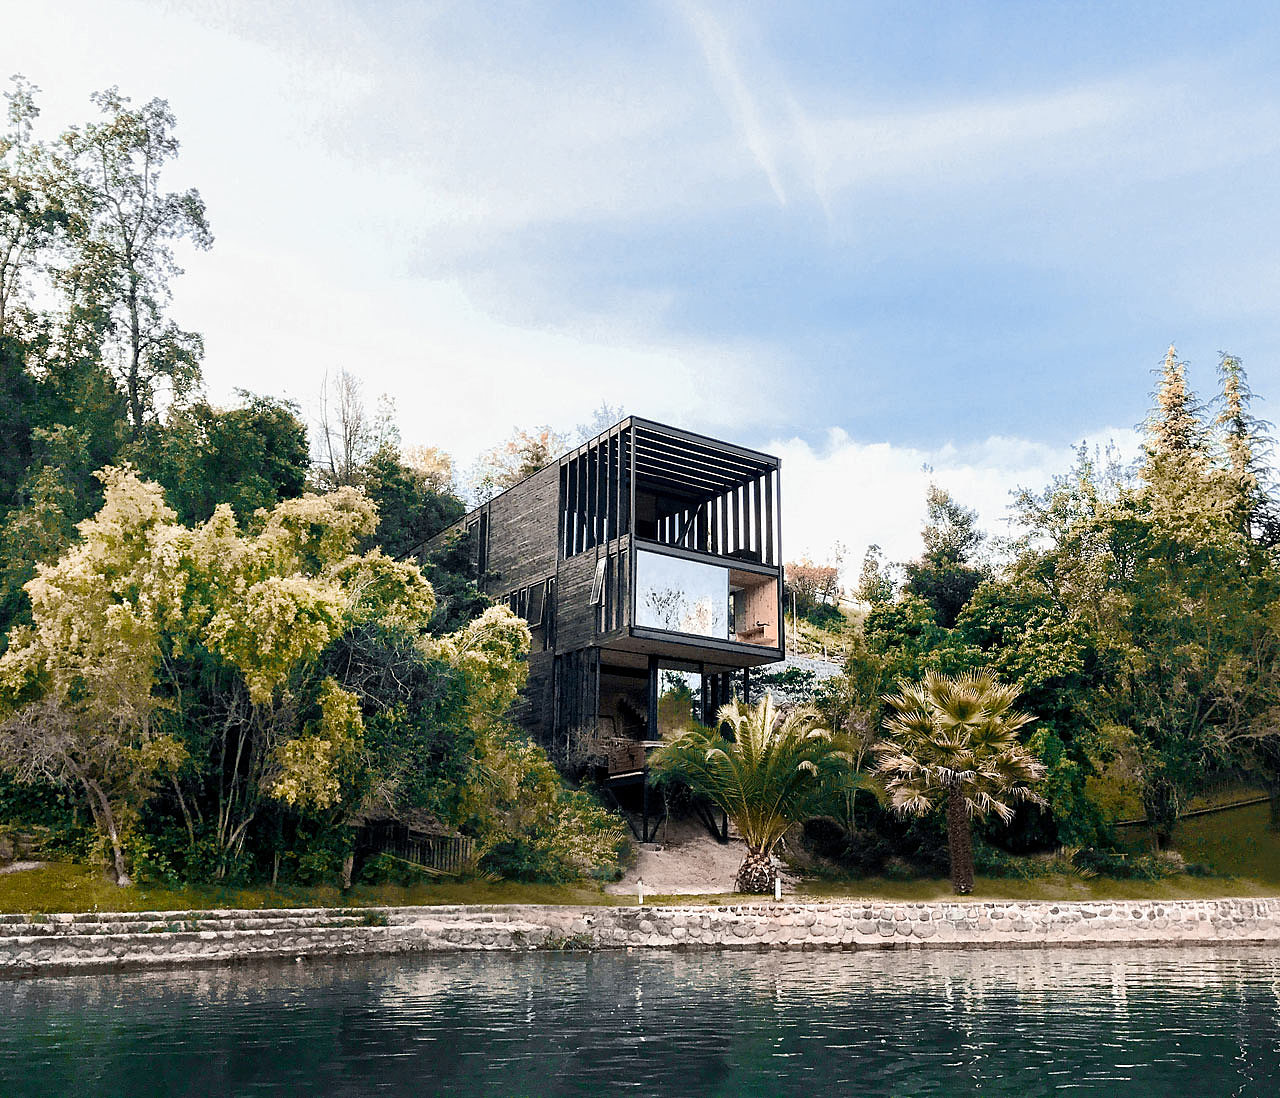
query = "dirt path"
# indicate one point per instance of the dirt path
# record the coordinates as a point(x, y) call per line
point(685, 861)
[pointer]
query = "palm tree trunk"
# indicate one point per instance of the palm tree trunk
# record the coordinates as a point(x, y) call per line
point(960, 842)
point(755, 875)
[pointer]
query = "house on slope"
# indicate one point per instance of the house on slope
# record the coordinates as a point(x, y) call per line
point(648, 564)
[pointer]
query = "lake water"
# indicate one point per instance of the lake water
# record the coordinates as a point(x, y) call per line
point(1107, 1022)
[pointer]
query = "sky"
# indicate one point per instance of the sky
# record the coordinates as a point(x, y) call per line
point(890, 242)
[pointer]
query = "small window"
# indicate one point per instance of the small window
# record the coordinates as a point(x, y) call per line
point(478, 532)
point(597, 582)
point(537, 604)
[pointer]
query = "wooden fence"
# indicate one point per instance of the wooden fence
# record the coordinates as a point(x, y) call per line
point(447, 855)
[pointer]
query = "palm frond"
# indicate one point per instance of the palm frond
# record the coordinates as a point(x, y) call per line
point(767, 776)
point(957, 731)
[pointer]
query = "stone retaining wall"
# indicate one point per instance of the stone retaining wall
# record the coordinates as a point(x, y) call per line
point(19, 843)
point(32, 945)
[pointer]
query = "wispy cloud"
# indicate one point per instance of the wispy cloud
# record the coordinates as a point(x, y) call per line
point(738, 98)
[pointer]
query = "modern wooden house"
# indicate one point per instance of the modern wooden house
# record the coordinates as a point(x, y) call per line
point(648, 564)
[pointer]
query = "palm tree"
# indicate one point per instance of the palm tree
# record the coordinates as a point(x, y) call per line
point(955, 739)
point(765, 778)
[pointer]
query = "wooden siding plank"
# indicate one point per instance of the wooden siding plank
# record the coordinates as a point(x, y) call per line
point(737, 520)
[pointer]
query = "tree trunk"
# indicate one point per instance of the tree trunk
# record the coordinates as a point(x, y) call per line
point(348, 864)
point(960, 842)
point(755, 875)
point(1160, 802)
point(107, 821)
point(186, 816)
point(122, 875)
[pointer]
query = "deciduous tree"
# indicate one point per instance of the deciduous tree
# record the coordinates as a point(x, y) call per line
point(125, 259)
point(522, 455)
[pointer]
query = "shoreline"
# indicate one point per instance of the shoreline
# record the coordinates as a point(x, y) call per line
point(32, 946)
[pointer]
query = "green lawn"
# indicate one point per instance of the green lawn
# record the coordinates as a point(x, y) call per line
point(1047, 888)
point(66, 887)
point(1234, 844)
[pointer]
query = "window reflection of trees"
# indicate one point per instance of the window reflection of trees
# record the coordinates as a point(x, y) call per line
point(683, 596)
point(666, 605)
point(679, 701)
point(672, 610)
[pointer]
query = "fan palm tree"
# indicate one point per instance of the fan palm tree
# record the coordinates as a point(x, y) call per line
point(765, 778)
point(953, 740)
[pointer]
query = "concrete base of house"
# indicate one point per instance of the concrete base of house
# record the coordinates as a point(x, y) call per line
point(48, 944)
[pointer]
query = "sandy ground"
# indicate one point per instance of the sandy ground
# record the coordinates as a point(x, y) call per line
point(685, 861)
point(18, 867)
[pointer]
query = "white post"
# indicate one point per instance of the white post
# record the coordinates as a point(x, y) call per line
point(640, 892)
point(777, 890)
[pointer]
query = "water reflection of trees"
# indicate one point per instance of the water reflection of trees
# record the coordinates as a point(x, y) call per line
point(674, 1023)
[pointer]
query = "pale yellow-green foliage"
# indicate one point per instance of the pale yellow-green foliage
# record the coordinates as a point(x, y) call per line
point(312, 532)
point(95, 638)
point(523, 796)
point(268, 600)
point(139, 589)
point(515, 791)
point(280, 623)
point(393, 592)
point(311, 766)
point(490, 652)
point(309, 773)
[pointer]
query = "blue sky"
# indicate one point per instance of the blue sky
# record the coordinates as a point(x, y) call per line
point(867, 236)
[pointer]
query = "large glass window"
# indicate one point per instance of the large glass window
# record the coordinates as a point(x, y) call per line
point(679, 702)
point(683, 596)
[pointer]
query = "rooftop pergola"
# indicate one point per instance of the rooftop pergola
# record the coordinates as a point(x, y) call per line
point(683, 490)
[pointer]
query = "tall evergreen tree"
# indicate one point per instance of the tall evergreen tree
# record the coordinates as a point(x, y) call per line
point(1246, 446)
point(946, 574)
point(1175, 424)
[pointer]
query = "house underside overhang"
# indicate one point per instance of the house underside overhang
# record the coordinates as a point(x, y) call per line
point(634, 651)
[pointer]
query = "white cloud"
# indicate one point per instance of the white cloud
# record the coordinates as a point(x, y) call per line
point(857, 494)
point(461, 377)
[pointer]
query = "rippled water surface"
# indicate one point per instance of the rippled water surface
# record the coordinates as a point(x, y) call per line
point(1131, 1022)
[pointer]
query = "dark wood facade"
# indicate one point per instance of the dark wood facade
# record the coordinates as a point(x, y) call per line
point(648, 563)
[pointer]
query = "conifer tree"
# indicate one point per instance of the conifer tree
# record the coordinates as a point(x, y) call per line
point(1245, 444)
point(1175, 426)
